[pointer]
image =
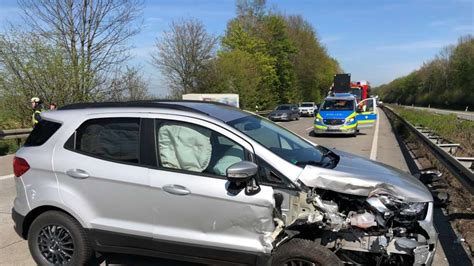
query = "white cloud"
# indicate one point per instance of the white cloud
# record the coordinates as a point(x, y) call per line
point(438, 23)
point(464, 28)
point(427, 44)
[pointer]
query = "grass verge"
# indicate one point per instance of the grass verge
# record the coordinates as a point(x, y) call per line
point(8, 146)
point(448, 126)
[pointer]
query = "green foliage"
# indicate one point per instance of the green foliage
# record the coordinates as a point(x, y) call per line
point(8, 146)
point(448, 126)
point(31, 68)
point(447, 81)
point(269, 59)
point(249, 75)
point(313, 67)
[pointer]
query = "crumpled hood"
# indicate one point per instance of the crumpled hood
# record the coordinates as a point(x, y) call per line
point(335, 114)
point(358, 176)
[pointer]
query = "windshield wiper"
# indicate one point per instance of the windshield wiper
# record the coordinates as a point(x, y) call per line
point(333, 158)
point(309, 162)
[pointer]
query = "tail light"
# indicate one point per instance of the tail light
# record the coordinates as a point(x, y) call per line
point(20, 166)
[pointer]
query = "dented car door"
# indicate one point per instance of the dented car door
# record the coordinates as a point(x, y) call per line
point(193, 157)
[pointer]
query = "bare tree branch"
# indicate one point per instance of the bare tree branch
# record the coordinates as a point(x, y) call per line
point(183, 53)
point(93, 34)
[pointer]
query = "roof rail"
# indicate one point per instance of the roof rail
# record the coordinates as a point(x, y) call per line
point(169, 104)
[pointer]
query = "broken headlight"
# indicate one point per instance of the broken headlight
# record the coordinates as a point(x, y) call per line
point(413, 209)
point(386, 202)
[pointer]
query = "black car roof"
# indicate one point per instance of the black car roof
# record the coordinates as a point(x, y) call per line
point(217, 110)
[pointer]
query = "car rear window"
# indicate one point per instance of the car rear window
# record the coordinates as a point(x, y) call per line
point(41, 133)
point(116, 139)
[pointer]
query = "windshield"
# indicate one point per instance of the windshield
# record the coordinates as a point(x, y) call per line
point(307, 105)
point(283, 107)
point(356, 92)
point(280, 141)
point(338, 105)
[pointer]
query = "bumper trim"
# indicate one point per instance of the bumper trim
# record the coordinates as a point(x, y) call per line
point(19, 220)
point(338, 132)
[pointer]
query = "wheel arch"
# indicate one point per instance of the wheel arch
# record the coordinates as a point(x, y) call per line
point(33, 214)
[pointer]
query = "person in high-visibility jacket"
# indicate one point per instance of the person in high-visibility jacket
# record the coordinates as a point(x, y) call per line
point(37, 108)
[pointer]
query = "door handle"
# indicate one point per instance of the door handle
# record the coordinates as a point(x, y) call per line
point(176, 190)
point(77, 173)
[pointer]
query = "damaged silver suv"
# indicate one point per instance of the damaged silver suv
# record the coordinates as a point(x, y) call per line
point(205, 182)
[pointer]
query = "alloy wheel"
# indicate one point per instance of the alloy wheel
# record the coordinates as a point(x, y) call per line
point(56, 244)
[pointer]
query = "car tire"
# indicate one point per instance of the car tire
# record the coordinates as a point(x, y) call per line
point(302, 251)
point(69, 244)
point(297, 117)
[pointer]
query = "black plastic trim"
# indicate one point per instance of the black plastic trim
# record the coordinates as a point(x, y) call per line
point(19, 220)
point(166, 104)
point(147, 143)
point(113, 242)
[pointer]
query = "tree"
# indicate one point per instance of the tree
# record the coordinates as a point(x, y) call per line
point(249, 75)
point(313, 67)
point(92, 35)
point(30, 67)
point(281, 56)
point(129, 86)
point(280, 47)
point(183, 53)
point(446, 81)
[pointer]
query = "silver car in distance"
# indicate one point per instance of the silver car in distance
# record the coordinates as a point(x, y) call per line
point(205, 182)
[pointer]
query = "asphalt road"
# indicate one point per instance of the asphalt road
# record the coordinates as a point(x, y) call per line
point(460, 114)
point(378, 143)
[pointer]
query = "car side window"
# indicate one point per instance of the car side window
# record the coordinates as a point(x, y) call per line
point(270, 176)
point(370, 105)
point(116, 139)
point(189, 147)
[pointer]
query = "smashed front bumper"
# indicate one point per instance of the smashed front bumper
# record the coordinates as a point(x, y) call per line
point(422, 249)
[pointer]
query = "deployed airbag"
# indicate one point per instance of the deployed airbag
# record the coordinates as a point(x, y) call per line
point(231, 156)
point(184, 146)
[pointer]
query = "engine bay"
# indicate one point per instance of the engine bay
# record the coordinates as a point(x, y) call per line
point(378, 229)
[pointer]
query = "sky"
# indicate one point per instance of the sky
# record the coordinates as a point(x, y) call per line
point(374, 40)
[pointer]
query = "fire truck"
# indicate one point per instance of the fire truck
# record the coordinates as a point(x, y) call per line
point(342, 84)
point(360, 89)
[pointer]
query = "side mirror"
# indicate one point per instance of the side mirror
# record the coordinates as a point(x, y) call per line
point(241, 176)
point(241, 172)
point(359, 110)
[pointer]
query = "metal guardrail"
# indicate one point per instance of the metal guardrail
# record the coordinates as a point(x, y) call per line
point(20, 133)
point(459, 167)
point(264, 112)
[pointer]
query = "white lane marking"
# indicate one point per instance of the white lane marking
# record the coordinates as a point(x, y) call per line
point(373, 151)
point(6, 177)
point(309, 128)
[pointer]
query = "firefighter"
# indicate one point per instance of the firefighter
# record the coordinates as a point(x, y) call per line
point(36, 105)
